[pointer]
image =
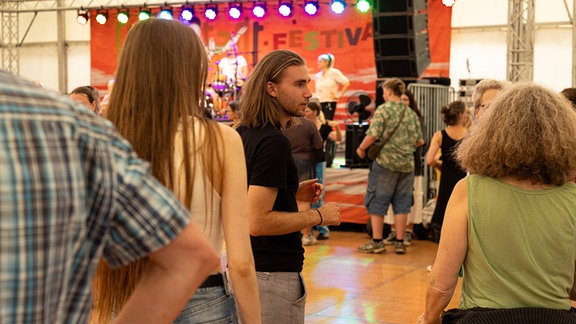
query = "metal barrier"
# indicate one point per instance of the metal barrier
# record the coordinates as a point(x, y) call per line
point(430, 99)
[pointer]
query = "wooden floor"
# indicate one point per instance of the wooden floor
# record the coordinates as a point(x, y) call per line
point(345, 286)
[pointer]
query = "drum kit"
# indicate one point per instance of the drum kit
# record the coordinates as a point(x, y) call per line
point(226, 84)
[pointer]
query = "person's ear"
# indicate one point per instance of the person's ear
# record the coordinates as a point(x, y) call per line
point(271, 89)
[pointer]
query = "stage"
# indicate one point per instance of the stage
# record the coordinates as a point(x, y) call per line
point(347, 187)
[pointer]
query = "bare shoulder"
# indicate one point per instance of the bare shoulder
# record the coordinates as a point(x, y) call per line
point(231, 140)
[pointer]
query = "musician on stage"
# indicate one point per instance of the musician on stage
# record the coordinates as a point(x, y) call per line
point(234, 68)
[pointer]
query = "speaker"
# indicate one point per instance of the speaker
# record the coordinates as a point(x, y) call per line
point(400, 5)
point(401, 43)
point(354, 135)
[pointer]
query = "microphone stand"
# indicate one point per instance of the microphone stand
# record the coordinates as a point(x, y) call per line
point(235, 90)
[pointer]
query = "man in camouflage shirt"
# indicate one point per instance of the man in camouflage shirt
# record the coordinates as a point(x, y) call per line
point(391, 176)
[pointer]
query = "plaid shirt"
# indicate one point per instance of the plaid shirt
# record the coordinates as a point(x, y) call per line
point(71, 191)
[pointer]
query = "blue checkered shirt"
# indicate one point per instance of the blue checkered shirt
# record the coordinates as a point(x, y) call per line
point(71, 191)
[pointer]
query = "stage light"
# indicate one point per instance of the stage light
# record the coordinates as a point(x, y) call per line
point(82, 17)
point(311, 7)
point(186, 15)
point(211, 11)
point(235, 10)
point(363, 5)
point(259, 10)
point(102, 16)
point(144, 14)
point(123, 16)
point(285, 8)
point(448, 3)
point(338, 6)
point(166, 14)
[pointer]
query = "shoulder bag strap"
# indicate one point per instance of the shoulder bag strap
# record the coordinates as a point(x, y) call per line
point(395, 128)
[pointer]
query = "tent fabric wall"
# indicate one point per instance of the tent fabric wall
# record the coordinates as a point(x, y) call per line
point(478, 50)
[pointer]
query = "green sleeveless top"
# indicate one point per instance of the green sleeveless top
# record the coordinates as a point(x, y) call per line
point(521, 245)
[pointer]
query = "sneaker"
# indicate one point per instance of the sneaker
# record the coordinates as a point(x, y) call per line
point(308, 240)
point(323, 233)
point(390, 239)
point(399, 248)
point(372, 247)
point(408, 238)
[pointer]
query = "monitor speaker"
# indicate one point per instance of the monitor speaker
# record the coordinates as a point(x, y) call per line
point(354, 135)
point(401, 43)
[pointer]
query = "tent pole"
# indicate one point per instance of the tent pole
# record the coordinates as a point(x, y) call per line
point(62, 50)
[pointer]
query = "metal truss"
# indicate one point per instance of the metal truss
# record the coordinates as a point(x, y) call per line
point(10, 61)
point(520, 37)
point(59, 5)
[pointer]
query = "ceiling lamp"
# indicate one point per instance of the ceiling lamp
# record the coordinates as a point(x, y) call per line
point(82, 17)
point(211, 11)
point(165, 13)
point(186, 15)
point(448, 3)
point(235, 10)
point(363, 5)
point(144, 14)
point(338, 6)
point(285, 8)
point(259, 9)
point(123, 16)
point(311, 7)
point(102, 16)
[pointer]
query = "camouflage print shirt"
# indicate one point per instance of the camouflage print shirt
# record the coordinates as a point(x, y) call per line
point(397, 154)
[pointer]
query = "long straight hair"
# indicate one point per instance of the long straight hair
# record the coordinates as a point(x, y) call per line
point(257, 106)
point(159, 86)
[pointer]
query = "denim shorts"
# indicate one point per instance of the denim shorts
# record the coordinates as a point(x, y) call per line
point(282, 297)
point(209, 305)
point(385, 187)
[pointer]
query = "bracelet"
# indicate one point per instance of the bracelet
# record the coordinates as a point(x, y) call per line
point(321, 219)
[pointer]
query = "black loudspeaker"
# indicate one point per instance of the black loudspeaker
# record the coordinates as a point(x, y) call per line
point(401, 43)
point(354, 135)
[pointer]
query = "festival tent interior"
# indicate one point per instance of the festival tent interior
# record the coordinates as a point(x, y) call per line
point(451, 43)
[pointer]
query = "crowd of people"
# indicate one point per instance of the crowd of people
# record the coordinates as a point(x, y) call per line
point(150, 211)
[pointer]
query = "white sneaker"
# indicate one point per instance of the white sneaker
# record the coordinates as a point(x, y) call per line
point(308, 240)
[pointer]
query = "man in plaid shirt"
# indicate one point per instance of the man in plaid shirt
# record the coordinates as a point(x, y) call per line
point(72, 191)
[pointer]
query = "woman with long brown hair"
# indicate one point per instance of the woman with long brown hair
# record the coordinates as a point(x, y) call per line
point(157, 104)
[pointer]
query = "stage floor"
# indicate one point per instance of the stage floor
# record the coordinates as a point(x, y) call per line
point(347, 187)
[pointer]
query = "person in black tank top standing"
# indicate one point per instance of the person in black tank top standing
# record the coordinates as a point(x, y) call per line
point(456, 116)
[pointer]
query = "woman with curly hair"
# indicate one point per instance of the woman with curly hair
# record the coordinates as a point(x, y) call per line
point(511, 224)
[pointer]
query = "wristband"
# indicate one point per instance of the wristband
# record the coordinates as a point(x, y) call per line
point(321, 219)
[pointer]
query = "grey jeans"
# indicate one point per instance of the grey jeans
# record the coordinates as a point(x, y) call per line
point(282, 297)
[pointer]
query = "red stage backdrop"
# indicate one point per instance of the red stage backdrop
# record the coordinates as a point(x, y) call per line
point(348, 36)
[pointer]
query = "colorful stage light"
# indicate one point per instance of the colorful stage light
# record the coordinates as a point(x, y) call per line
point(186, 15)
point(123, 16)
point(285, 8)
point(259, 9)
point(235, 10)
point(82, 17)
point(311, 7)
point(211, 11)
point(338, 6)
point(363, 5)
point(144, 14)
point(165, 13)
point(102, 16)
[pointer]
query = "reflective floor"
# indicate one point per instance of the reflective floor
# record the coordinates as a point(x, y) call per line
point(345, 286)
